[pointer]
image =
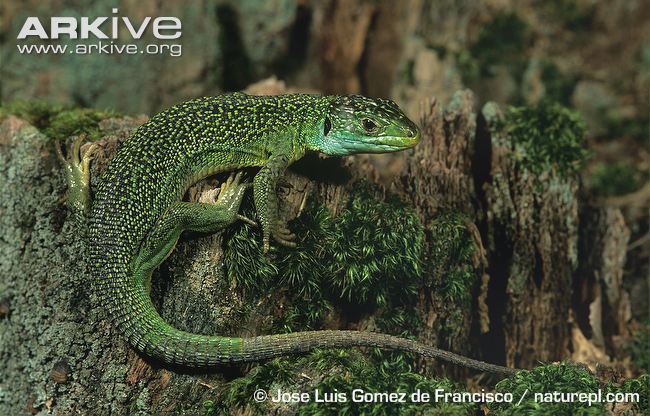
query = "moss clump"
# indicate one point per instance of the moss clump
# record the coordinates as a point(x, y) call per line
point(634, 127)
point(558, 86)
point(277, 372)
point(639, 348)
point(55, 121)
point(503, 39)
point(339, 371)
point(370, 254)
point(564, 378)
point(546, 136)
point(380, 246)
point(639, 386)
point(37, 112)
point(373, 255)
point(401, 320)
point(74, 122)
point(574, 15)
point(501, 42)
point(246, 264)
point(451, 250)
point(616, 179)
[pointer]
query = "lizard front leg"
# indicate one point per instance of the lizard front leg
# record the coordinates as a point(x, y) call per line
point(266, 201)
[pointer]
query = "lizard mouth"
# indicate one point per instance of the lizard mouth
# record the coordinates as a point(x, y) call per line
point(399, 142)
point(384, 144)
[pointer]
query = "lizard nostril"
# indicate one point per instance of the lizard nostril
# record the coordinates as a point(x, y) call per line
point(410, 132)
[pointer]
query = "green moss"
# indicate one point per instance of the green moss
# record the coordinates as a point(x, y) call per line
point(304, 269)
point(340, 371)
point(246, 265)
point(616, 179)
point(37, 112)
point(575, 16)
point(55, 121)
point(623, 126)
point(370, 254)
point(547, 136)
point(304, 313)
point(502, 41)
point(276, 372)
point(639, 348)
point(450, 258)
point(564, 377)
point(74, 122)
point(558, 85)
point(401, 320)
point(380, 246)
point(640, 386)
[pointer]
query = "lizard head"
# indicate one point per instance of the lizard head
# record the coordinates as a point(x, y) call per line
point(356, 124)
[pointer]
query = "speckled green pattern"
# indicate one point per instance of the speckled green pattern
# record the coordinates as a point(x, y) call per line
point(137, 215)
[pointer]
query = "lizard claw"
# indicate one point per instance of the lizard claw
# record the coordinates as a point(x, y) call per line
point(283, 235)
point(284, 239)
point(77, 168)
point(232, 190)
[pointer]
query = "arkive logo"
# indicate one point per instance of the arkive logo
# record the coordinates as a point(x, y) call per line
point(163, 29)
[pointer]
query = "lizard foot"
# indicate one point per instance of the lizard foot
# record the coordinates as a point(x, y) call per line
point(280, 234)
point(231, 188)
point(231, 193)
point(77, 171)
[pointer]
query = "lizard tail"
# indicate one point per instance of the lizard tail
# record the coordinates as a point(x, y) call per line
point(268, 346)
point(135, 315)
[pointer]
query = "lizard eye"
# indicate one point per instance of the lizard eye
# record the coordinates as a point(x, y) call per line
point(327, 126)
point(369, 125)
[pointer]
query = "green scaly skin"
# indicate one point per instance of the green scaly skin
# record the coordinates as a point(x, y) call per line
point(138, 213)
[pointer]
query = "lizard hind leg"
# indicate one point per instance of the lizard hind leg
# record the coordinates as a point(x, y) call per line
point(207, 217)
point(77, 173)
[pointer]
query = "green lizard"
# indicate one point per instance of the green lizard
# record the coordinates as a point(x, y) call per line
point(138, 214)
